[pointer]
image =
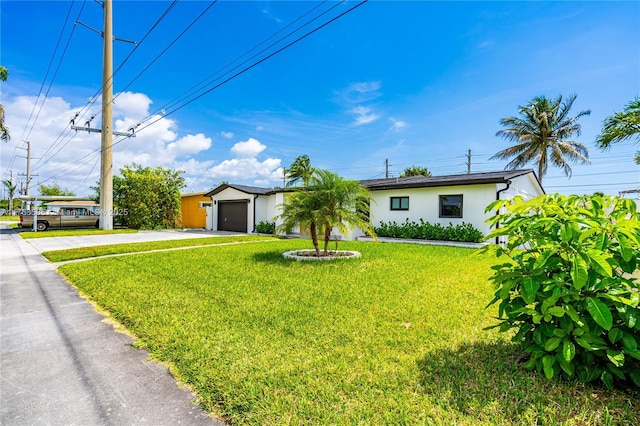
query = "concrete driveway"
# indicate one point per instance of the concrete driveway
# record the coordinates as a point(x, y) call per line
point(61, 364)
point(62, 243)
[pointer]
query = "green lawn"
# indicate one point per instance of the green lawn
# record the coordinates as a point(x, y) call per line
point(110, 249)
point(394, 337)
point(72, 232)
point(9, 218)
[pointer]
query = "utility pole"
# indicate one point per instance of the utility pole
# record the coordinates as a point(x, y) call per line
point(106, 141)
point(106, 131)
point(10, 193)
point(28, 174)
point(386, 168)
point(469, 161)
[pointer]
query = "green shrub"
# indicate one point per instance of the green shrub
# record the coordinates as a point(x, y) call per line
point(464, 232)
point(266, 227)
point(570, 287)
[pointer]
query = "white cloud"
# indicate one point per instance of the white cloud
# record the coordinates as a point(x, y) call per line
point(365, 87)
point(248, 149)
point(71, 158)
point(363, 115)
point(486, 43)
point(247, 169)
point(397, 124)
point(227, 135)
point(246, 165)
point(132, 105)
point(360, 92)
point(190, 144)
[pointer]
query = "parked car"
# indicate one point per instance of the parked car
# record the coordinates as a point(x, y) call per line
point(77, 217)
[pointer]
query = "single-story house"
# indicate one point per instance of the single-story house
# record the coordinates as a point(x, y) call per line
point(194, 208)
point(437, 199)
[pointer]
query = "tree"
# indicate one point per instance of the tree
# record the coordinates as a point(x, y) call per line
point(300, 170)
point(4, 131)
point(540, 135)
point(11, 188)
point(622, 126)
point(343, 204)
point(53, 190)
point(150, 197)
point(327, 201)
point(416, 171)
point(567, 285)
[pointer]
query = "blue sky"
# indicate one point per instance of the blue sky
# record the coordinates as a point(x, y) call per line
point(414, 83)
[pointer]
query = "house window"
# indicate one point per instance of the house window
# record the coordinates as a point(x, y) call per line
point(399, 203)
point(451, 206)
point(204, 204)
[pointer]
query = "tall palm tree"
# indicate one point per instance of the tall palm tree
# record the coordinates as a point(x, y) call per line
point(4, 131)
point(621, 126)
point(300, 170)
point(11, 188)
point(540, 134)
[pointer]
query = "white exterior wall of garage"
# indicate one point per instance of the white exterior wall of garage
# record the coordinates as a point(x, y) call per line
point(231, 194)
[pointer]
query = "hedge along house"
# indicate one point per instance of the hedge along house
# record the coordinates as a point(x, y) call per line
point(454, 199)
point(438, 199)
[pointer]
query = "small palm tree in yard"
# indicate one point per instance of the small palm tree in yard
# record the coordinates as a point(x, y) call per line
point(540, 135)
point(327, 202)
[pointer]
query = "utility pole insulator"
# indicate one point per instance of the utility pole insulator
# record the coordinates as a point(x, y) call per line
point(94, 130)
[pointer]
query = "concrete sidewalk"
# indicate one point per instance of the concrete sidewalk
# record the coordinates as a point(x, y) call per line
point(61, 365)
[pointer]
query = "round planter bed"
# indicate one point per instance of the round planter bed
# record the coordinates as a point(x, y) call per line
point(310, 255)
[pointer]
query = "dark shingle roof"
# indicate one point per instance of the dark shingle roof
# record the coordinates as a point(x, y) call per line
point(432, 181)
point(402, 182)
point(254, 190)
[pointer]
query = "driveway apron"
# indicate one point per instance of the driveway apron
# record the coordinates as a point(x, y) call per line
point(62, 365)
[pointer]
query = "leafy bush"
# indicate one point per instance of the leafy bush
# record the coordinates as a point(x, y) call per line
point(464, 232)
point(569, 288)
point(266, 227)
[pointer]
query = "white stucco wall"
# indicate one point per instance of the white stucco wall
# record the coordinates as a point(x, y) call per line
point(263, 212)
point(424, 203)
point(526, 186)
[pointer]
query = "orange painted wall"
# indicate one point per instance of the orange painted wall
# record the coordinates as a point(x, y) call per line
point(193, 216)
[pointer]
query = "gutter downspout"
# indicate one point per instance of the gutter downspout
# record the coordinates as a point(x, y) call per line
point(254, 213)
point(497, 198)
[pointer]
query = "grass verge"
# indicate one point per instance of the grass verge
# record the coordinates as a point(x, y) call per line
point(110, 249)
point(394, 337)
point(73, 233)
point(9, 218)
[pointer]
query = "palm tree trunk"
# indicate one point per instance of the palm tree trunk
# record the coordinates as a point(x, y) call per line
point(314, 237)
point(327, 237)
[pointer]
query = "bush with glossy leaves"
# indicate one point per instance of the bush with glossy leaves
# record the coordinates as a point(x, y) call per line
point(570, 286)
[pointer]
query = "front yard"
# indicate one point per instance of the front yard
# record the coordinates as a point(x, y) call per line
point(394, 337)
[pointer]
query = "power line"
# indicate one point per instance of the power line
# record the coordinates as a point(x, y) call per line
point(80, 114)
point(253, 65)
point(242, 71)
point(49, 69)
point(210, 79)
